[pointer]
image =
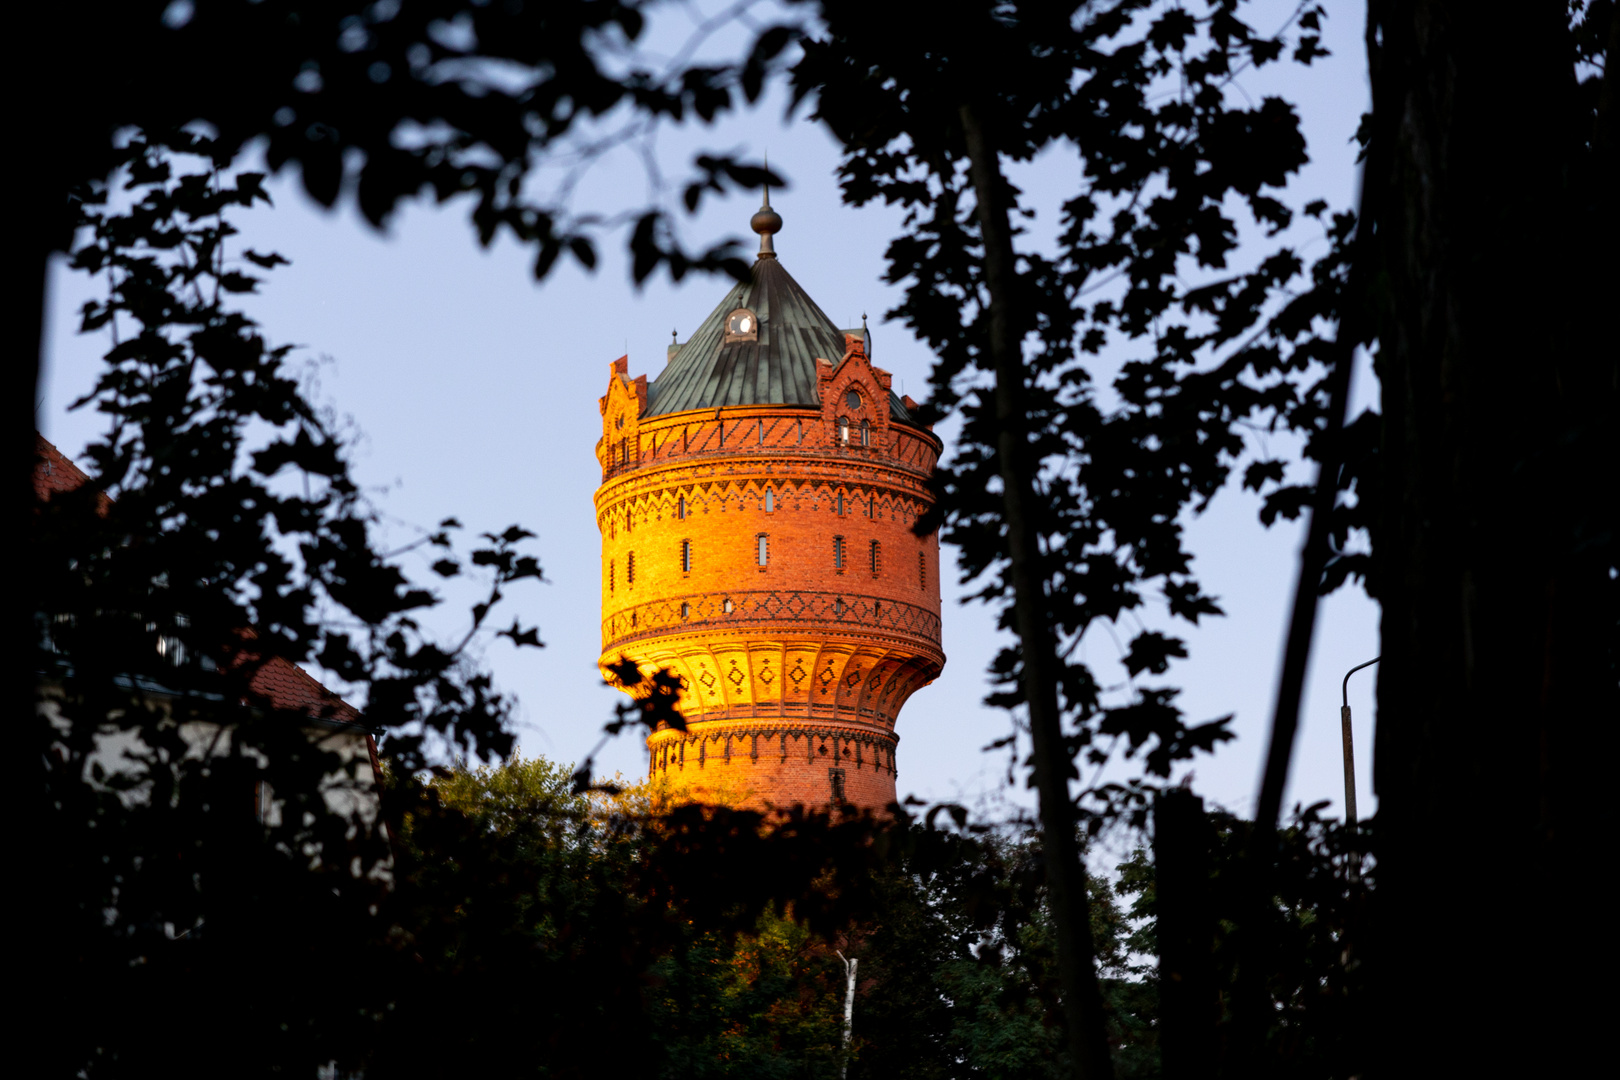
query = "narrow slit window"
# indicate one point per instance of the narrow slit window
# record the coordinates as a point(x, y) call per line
point(686, 556)
point(840, 504)
point(612, 573)
point(763, 543)
point(838, 552)
point(686, 609)
point(630, 569)
point(838, 607)
point(680, 508)
point(876, 553)
point(922, 569)
point(629, 521)
point(799, 426)
point(762, 433)
point(871, 506)
point(770, 501)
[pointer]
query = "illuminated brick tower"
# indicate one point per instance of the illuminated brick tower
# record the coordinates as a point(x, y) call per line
point(756, 509)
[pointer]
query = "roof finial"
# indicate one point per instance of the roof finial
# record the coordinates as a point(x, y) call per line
point(674, 336)
point(767, 221)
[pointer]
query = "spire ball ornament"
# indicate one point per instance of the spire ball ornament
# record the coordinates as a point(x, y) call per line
point(767, 223)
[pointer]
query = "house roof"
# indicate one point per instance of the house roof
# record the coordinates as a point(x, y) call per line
point(778, 367)
point(282, 683)
point(54, 471)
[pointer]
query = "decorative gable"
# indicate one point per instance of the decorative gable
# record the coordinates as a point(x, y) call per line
point(622, 408)
point(854, 399)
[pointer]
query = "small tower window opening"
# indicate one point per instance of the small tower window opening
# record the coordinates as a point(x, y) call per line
point(612, 573)
point(843, 431)
point(680, 508)
point(763, 554)
point(630, 569)
point(871, 506)
point(838, 552)
point(839, 504)
point(727, 606)
point(686, 610)
point(762, 433)
point(876, 553)
point(686, 557)
point(742, 325)
point(838, 607)
point(770, 501)
point(866, 433)
point(629, 522)
point(922, 569)
point(799, 427)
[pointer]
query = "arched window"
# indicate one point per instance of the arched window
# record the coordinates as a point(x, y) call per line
point(686, 556)
point(764, 549)
point(877, 557)
point(838, 552)
point(770, 501)
point(727, 606)
point(630, 569)
point(838, 504)
point(843, 431)
point(866, 433)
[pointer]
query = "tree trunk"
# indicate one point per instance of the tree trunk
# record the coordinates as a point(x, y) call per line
point(1065, 873)
point(1495, 542)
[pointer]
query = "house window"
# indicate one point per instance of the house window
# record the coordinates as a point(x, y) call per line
point(630, 569)
point(770, 500)
point(843, 430)
point(686, 556)
point(866, 433)
point(877, 557)
point(764, 553)
point(838, 552)
point(680, 508)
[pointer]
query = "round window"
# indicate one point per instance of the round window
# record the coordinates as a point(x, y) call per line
point(741, 322)
point(852, 399)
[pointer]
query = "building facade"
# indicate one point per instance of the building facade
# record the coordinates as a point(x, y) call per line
point(756, 509)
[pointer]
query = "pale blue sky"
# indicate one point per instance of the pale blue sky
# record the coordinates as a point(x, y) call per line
point(475, 392)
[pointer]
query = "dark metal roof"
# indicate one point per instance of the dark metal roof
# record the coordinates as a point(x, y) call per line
point(777, 369)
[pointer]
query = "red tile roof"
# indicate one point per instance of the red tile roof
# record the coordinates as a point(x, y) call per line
point(54, 471)
point(283, 683)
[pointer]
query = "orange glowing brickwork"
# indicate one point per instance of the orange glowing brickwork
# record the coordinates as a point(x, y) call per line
point(765, 553)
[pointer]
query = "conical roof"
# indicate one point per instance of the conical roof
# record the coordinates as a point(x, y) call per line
point(778, 367)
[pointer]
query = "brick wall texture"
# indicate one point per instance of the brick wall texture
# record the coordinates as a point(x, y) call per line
point(765, 554)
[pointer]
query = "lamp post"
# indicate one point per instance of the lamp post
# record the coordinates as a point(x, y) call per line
point(1350, 764)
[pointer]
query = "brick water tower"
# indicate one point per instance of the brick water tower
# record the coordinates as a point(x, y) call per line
point(756, 509)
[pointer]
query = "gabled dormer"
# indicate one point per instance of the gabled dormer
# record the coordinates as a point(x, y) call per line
point(622, 408)
point(855, 399)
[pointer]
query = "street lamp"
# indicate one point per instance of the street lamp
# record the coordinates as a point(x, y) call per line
point(1350, 762)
